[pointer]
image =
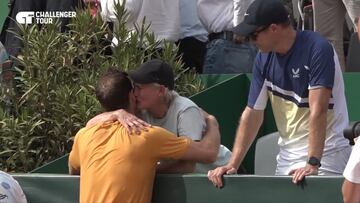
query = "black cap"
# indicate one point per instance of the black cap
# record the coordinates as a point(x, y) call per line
point(262, 13)
point(154, 71)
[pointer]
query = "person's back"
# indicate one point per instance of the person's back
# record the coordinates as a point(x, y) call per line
point(118, 167)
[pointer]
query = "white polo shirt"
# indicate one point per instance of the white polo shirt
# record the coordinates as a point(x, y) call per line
point(220, 15)
point(190, 22)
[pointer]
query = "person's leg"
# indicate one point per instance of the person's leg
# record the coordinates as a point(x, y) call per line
point(193, 53)
point(12, 43)
point(224, 56)
point(214, 57)
point(358, 27)
point(329, 17)
point(239, 58)
point(296, 12)
point(353, 9)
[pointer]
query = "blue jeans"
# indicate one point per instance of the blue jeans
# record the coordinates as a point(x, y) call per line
point(224, 56)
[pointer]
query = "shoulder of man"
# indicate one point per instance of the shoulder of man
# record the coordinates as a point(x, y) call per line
point(183, 102)
point(314, 39)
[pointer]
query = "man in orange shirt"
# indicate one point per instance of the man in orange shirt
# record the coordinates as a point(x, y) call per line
point(115, 166)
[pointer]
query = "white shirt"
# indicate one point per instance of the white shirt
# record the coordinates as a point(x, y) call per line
point(10, 190)
point(190, 22)
point(163, 16)
point(352, 170)
point(220, 15)
point(132, 7)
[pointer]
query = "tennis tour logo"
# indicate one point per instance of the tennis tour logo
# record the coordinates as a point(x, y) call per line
point(42, 17)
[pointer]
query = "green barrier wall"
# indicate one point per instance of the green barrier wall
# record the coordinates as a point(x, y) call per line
point(226, 100)
point(3, 12)
point(47, 188)
point(352, 83)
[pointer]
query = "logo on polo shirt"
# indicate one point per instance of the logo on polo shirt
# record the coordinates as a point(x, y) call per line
point(295, 72)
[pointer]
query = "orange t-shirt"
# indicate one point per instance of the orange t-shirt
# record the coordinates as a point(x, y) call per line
point(118, 167)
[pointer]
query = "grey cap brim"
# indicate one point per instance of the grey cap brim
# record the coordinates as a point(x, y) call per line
point(244, 29)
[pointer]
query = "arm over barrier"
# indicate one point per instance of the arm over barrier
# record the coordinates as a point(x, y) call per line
point(45, 188)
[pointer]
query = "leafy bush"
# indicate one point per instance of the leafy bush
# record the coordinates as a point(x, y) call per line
point(54, 92)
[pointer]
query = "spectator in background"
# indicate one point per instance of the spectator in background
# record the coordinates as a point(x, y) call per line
point(351, 185)
point(223, 54)
point(5, 66)
point(115, 166)
point(10, 190)
point(163, 16)
point(192, 45)
point(300, 75)
point(10, 41)
point(329, 18)
point(162, 106)
point(6, 75)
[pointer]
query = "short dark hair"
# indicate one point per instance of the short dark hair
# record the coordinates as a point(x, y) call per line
point(113, 90)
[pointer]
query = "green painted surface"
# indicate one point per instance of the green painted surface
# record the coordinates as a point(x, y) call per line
point(3, 11)
point(352, 92)
point(225, 101)
point(58, 166)
point(213, 79)
point(44, 188)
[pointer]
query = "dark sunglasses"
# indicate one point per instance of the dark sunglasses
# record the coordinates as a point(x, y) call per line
point(356, 20)
point(253, 36)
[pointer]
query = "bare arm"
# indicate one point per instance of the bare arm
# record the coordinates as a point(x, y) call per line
point(178, 166)
point(351, 192)
point(73, 171)
point(103, 117)
point(249, 126)
point(188, 128)
point(250, 123)
point(128, 120)
point(318, 104)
